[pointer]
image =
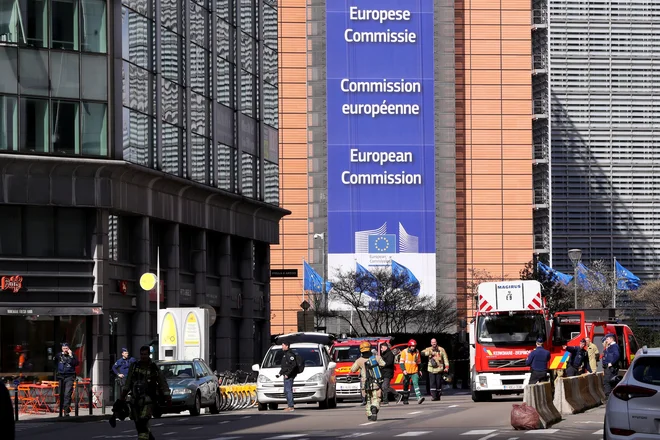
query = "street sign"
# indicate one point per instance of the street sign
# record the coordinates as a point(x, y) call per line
point(305, 305)
point(284, 273)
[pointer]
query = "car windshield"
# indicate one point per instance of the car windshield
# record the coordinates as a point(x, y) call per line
point(647, 370)
point(182, 370)
point(345, 354)
point(517, 329)
point(311, 357)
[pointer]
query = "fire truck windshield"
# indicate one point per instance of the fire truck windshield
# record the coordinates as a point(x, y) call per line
point(345, 354)
point(505, 329)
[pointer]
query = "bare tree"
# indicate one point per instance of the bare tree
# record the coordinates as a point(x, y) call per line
point(387, 302)
point(597, 287)
point(649, 297)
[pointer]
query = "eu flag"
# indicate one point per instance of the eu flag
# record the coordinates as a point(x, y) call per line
point(382, 244)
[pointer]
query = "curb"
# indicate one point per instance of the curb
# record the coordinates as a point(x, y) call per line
point(70, 419)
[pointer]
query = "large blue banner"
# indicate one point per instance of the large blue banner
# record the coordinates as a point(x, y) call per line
point(381, 185)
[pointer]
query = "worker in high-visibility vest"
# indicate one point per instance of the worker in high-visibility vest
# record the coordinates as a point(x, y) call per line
point(409, 360)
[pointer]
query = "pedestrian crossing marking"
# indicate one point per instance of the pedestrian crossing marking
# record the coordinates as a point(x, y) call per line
point(413, 434)
point(479, 432)
point(542, 431)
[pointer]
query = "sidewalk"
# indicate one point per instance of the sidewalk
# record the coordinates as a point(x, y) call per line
point(83, 416)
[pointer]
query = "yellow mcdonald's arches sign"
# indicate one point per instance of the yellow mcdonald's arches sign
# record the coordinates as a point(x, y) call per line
point(169, 331)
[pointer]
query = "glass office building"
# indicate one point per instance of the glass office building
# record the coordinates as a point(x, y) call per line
point(131, 132)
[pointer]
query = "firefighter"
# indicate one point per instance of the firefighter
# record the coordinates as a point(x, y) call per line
point(538, 360)
point(438, 364)
point(409, 360)
point(369, 379)
point(146, 384)
point(593, 353)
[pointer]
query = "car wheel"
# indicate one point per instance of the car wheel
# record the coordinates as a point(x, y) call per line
point(333, 402)
point(215, 408)
point(197, 407)
point(262, 406)
point(272, 406)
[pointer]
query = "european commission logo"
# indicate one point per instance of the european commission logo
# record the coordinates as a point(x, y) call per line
point(382, 244)
point(378, 241)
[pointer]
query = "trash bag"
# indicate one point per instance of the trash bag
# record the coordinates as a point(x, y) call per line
point(524, 417)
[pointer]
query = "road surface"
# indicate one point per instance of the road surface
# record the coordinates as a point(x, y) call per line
point(455, 417)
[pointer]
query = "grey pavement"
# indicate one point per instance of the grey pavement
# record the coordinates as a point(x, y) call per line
point(455, 417)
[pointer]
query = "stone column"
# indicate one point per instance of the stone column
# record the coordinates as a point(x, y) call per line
point(199, 266)
point(246, 334)
point(265, 328)
point(101, 337)
point(141, 318)
point(169, 255)
point(223, 339)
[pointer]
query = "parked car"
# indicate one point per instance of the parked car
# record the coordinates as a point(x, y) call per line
point(316, 384)
point(194, 386)
point(633, 407)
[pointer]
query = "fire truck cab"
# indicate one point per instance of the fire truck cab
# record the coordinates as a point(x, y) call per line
point(344, 353)
point(568, 328)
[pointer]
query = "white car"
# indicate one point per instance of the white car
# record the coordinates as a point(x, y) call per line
point(633, 409)
point(316, 384)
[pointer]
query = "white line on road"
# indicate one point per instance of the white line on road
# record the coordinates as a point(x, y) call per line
point(413, 434)
point(127, 431)
point(357, 434)
point(513, 438)
point(285, 436)
point(479, 432)
point(169, 433)
point(452, 406)
point(368, 423)
point(246, 417)
point(196, 427)
point(222, 423)
point(225, 438)
point(542, 431)
point(489, 436)
point(416, 412)
point(599, 432)
point(157, 424)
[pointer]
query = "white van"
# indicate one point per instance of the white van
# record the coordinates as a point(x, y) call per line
point(316, 383)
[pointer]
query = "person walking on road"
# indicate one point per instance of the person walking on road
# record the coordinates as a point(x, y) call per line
point(289, 369)
point(120, 368)
point(66, 363)
point(611, 356)
point(387, 371)
point(147, 386)
point(409, 360)
point(593, 354)
point(538, 360)
point(578, 363)
point(438, 364)
point(369, 379)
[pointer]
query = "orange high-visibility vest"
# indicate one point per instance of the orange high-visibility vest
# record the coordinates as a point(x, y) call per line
point(410, 361)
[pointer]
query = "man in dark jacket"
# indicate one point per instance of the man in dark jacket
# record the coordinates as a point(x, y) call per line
point(388, 374)
point(579, 360)
point(611, 357)
point(66, 364)
point(6, 414)
point(289, 370)
point(538, 360)
point(120, 368)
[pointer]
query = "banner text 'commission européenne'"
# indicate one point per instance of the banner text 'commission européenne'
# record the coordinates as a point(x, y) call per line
point(384, 86)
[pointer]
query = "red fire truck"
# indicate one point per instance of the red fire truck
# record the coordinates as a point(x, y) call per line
point(511, 316)
point(344, 353)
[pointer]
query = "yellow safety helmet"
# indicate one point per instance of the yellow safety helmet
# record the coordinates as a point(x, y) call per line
point(365, 346)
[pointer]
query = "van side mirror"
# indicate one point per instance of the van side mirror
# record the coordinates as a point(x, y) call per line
point(255, 368)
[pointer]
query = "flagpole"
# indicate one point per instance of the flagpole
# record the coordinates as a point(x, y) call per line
point(616, 282)
point(303, 286)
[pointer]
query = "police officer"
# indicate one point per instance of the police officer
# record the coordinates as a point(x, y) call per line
point(369, 384)
point(66, 363)
point(611, 356)
point(120, 368)
point(579, 360)
point(538, 362)
point(146, 384)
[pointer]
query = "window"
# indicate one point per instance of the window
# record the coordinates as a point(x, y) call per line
point(345, 354)
point(34, 125)
point(135, 48)
point(34, 71)
point(11, 230)
point(632, 343)
point(8, 68)
point(171, 14)
point(94, 129)
point(113, 237)
point(8, 123)
point(224, 82)
point(647, 370)
point(271, 177)
point(172, 145)
point(137, 129)
point(64, 24)
point(247, 93)
point(93, 26)
point(65, 74)
point(198, 158)
point(224, 167)
point(35, 13)
point(248, 168)
point(311, 357)
point(71, 233)
point(65, 123)
point(39, 224)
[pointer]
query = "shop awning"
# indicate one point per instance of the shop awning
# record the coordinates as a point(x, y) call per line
point(49, 310)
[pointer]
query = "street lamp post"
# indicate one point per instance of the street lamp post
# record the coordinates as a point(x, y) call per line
point(321, 236)
point(575, 255)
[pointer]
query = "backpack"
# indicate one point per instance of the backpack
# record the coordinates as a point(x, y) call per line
point(300, 363)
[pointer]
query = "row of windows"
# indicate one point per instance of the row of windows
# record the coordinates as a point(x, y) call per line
point(53, 126)
point(57, 24)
